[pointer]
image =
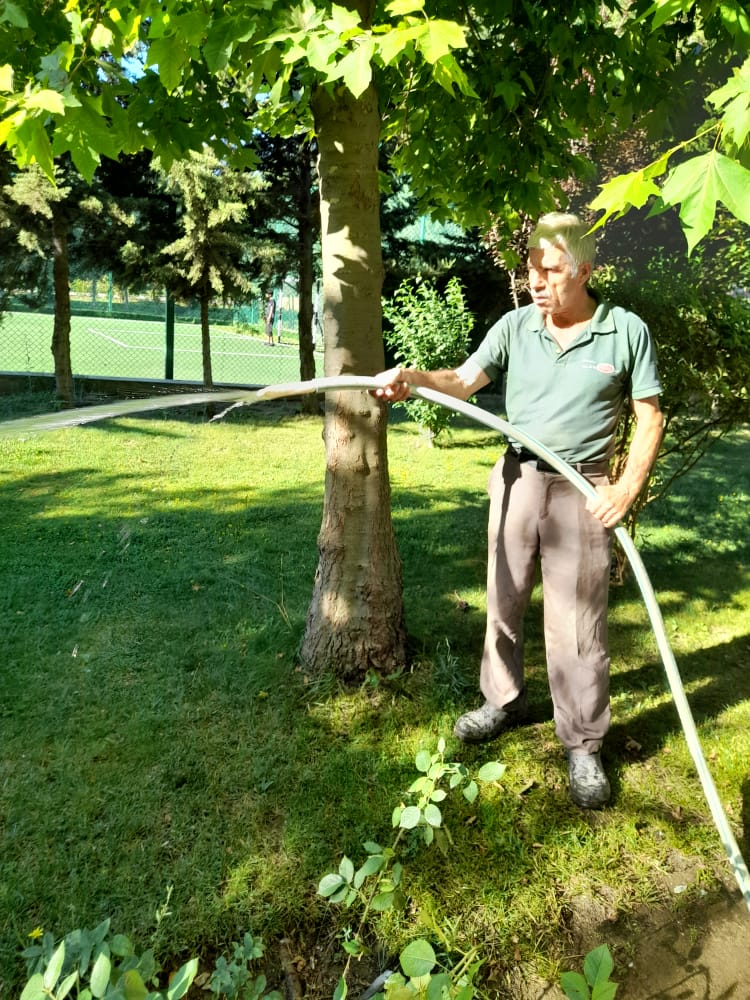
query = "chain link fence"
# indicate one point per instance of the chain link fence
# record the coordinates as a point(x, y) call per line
point(118, 335)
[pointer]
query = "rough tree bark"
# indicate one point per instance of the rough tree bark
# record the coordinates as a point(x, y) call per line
point(208, 374)
point(61, 328)
point(355, 620)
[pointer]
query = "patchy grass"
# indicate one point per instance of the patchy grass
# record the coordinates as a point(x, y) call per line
point(157, 731)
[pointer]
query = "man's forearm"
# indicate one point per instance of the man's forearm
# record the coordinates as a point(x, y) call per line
point(613, 501)
point(460, 382)
point(644, 448)
point(447, 380)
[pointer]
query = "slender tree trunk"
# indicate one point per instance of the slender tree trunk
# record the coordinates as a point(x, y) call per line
point(307, 208)
point(355, 621)
point(208, 378)
point(61, 328)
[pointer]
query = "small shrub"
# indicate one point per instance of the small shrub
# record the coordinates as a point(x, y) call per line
point(429, 330)
point(702, 337)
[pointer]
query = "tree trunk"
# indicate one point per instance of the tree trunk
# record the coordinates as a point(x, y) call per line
point(61, 328)
point(208, 378)
point(355, 621)
point(305, 242)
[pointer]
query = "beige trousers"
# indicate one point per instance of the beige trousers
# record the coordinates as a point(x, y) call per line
point(541, 517)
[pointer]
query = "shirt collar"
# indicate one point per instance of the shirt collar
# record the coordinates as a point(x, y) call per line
point(601, 322)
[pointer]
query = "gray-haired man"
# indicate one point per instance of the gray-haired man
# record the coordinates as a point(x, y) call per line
point(570, 362)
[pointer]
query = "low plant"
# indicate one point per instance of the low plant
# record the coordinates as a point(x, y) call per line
point(376, 884)
point(233, 979)
point(703, 347)
point(417, 978)
point(95, 965)
point(595, 983)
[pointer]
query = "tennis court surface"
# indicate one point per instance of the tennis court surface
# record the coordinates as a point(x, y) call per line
point(123, 348)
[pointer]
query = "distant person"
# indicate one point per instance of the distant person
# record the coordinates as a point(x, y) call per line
point(317, 329)
point(270, 314)
point(571, 362)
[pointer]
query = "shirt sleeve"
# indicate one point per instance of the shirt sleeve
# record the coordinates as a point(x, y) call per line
point(644, 373)
point(492, 354)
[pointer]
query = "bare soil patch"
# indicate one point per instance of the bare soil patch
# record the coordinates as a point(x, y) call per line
point(696, 949)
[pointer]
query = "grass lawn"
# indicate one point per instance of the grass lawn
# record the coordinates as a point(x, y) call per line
point(156, 731)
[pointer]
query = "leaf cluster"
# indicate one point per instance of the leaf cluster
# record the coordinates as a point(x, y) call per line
point(428, 329)
point(417, 979)
point(595, 983)
point(696, 180)
point(485, 107)
point(95, 965)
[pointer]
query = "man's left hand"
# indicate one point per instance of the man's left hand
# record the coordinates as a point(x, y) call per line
point(610, 505)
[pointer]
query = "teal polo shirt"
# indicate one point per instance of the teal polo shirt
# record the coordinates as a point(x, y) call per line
point(571, 399)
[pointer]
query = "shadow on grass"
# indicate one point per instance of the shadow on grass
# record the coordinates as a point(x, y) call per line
point(154, 706)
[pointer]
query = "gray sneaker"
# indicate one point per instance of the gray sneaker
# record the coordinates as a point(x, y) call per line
point(486, 723)
point(589, 785)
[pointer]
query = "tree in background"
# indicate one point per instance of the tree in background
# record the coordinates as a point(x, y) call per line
point(46, 218)
point(136, 220)
point(23, 273)
point(287, 164)
point(212, 257)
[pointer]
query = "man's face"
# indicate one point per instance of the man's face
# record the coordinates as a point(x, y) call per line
point(554, 289)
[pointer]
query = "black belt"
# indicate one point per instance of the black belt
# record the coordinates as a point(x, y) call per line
point(529, 458)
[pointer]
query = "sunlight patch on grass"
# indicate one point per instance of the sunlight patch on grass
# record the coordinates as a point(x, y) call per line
point(157, 729)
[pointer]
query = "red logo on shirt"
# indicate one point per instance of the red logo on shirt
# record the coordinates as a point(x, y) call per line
point(605, 368)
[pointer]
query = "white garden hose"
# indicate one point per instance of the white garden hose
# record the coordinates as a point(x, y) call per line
point(69, 418)
point(657, 622)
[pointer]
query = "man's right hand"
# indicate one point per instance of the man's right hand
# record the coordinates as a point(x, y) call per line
point(394, 385)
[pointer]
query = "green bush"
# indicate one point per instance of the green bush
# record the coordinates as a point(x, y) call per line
point(702, 336)
point(428, 330)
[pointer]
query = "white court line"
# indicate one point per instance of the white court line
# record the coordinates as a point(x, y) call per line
point(190, 350)
point(226, 334)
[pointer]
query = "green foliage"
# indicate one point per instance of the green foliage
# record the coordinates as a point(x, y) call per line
point(428, 330)
point(98, 966)
point(702, 335)
point(417, 979)
point(94, 965)
point(595, 983)
point(82, 95)
point(376, 885)
point(67, 84)
point(717, 172)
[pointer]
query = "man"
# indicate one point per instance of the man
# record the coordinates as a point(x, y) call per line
point(570, 363)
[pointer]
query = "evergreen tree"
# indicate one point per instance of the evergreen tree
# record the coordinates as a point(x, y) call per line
point(212, 257)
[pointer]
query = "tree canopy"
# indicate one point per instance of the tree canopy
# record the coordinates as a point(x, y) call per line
point(712, 167)
point(484, 105)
